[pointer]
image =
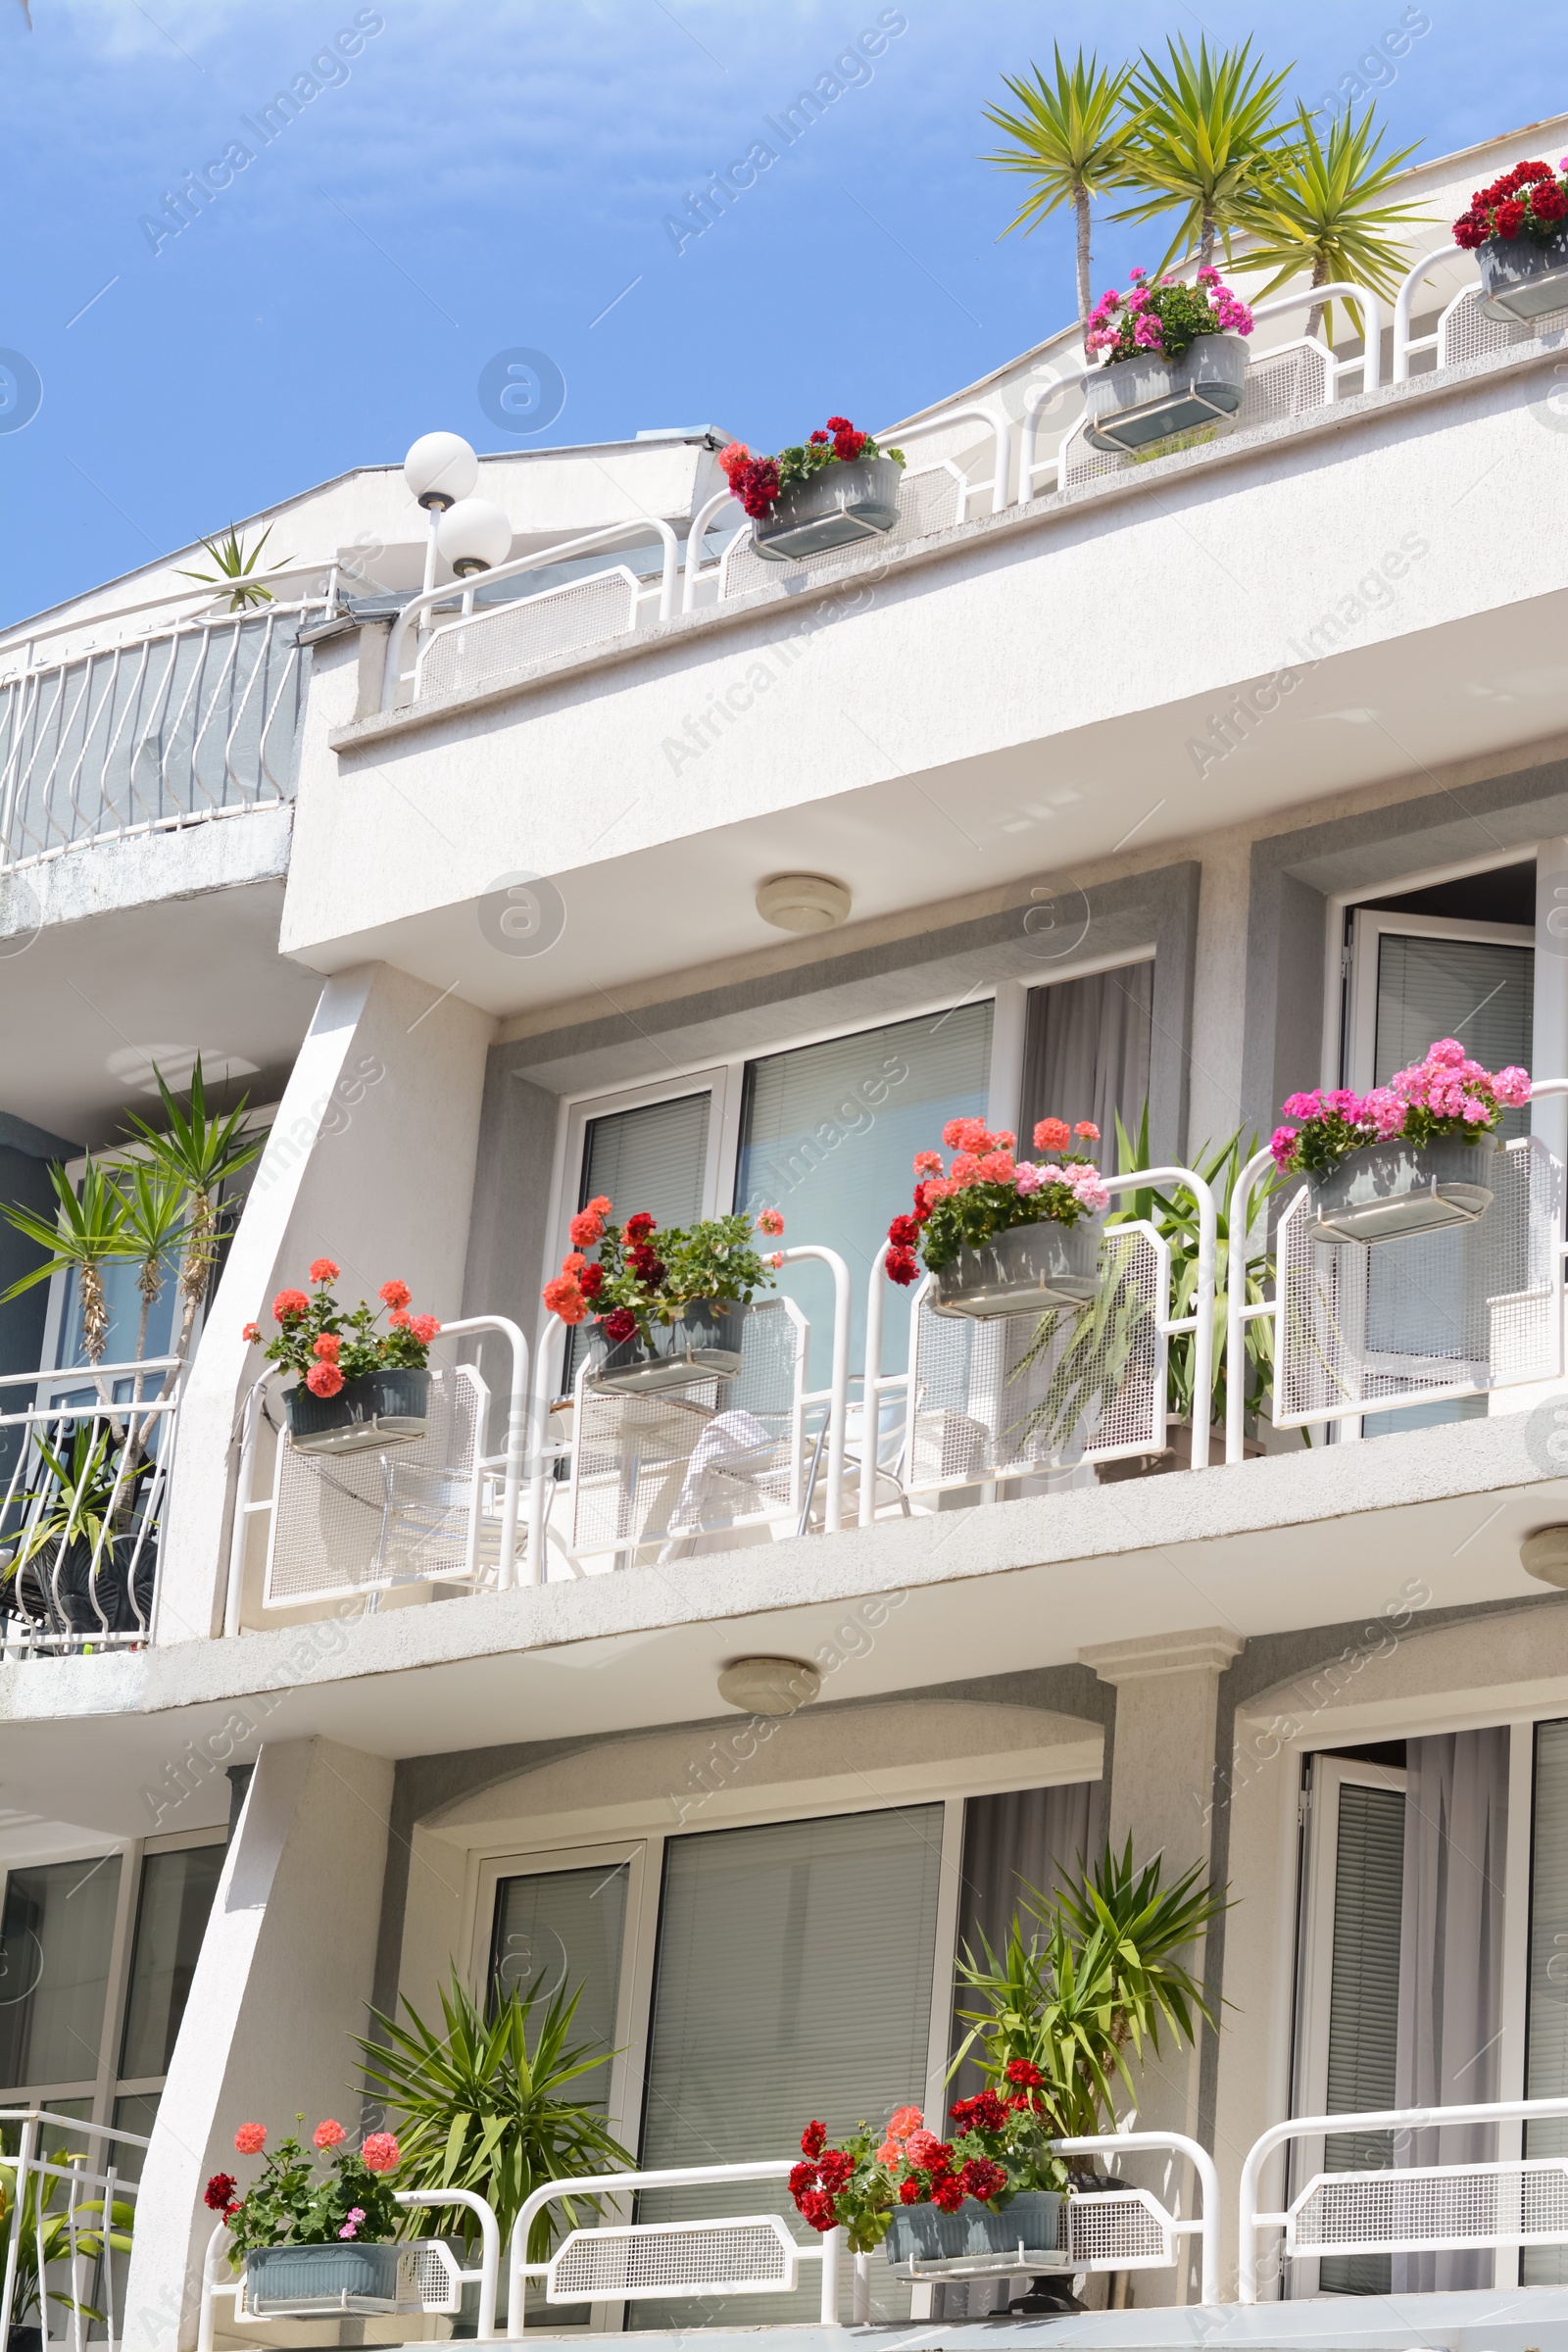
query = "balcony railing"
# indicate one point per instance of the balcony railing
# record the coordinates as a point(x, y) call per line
point(976, 464)
point(187, 723)
point(84, 1503)
point(70, 2213)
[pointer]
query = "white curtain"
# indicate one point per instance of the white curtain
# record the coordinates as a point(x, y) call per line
point(1450, 1965)
point(1087, 1052)
point(1021, 1839)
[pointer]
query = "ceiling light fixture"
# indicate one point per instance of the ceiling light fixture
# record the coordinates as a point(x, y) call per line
point(804, 902)
point(1543, 1555)
point(769, 1685)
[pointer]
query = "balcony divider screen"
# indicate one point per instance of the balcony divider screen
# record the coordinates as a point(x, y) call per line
point(829, 1134)
point(794, 1982)
point(1086, 1053)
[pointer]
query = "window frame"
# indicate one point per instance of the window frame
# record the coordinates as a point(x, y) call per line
point(1370, 926)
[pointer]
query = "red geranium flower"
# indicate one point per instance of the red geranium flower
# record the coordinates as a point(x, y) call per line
point(621, 1325)
point(813, 2139)
point(904, 1232)
point(327, 1346)
point(587, 1227)
point(394, 1294)
point(639, 1226)
point(289, 1304)
point(1548, 202)
point(591, 1281)
point(562, 1297)
point(252, 1331)
point(947, 2193)
point(904, 1267)
point(909, 2192)
point(819, 2210)
point(426, 1327)
point(323, 1380)
point(801, 2178)
point(1509, 217)
point(324, 1270)
point(1024, 2072)
point(219, 2195)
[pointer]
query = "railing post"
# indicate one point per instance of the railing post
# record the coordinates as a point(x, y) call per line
point(25, 2146)
point(872, 1388)
point(1236, 1311)
point(839, 1382)
point(1201, 1322)
point(1400, 370)
point(832, 2240)
point(1202, 2163)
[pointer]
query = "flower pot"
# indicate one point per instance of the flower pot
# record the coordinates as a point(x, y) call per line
point(320, 2278)
point(832, 508)
point(705, 1344)
point(1388, 1192)
point(1522, 279)
point(1028, 1269)
point(379, 1409)
point(1029, 2229)
point(1134, 401)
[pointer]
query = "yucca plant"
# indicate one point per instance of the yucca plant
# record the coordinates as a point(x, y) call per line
point(1090, 1981)
point(486, 2104)
point(197, 1150)
point(155, 1227)
point(1175, 1220)
point(1324, 211)
point(236, 570)
point(88, 1232)
point(1207, 134)
point(48, 2228)
point(1068, 139)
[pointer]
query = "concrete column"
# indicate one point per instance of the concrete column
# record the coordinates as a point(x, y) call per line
point(281, 1984)
point(1162, 1778)
point(1548, 1051)
point(369, 1162)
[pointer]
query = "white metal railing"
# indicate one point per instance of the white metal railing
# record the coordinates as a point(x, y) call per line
point(186, 723)
point(430, 2277)
point(943, 1421)
point(436, 1509)
point(1408, 2209)
point(1114, 2229)
point(487, 640)
point(1359, 1331)
point(67, 2213)
point(80, 1531)
point(703, 1462)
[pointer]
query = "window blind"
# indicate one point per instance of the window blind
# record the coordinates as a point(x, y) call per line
point(1547, 2034)
point(563, 1930)
point(1364, 2001)
point(829, 1134)
point(1478, 991)
point(794, 1981)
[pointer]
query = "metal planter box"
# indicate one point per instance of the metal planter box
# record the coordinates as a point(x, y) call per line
point(1388, 1192)
point(1030, 1267)
point(1521, 280)
point(706, 1344)
point(1138, 400)
point(1026, 2232)
point(329, 2278)
point(379, 1409)
point(834, 509)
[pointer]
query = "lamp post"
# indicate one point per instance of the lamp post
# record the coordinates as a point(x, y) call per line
point(440, 470)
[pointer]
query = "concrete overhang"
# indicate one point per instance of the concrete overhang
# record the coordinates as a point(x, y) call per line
point(1430, 1519)
point(1022, 695)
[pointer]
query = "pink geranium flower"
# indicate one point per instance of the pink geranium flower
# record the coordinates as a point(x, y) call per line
point(251, 2138)
point(329, 2134)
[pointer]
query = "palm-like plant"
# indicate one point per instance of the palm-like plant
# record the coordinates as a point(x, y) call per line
point(1206, 135)
point(196, 1152)
point(155, 1227)
point(1068, 141)
point(1088, 1982)
point(52, 2229)
point(1323, 209)
point(486, 2105)
point(236, 570)
point(1175, 1220)
point(90, 1230)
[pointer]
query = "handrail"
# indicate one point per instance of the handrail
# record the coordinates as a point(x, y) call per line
point(1001, 427)
point(697, 531)
point(23, 639)
point(638, 525)
point(1400, 373)
point(26, 2160)
point(1383, 2119)
point(599, 2185)
point(839, 1377)
point(1370, 356)
point(1207, 2228)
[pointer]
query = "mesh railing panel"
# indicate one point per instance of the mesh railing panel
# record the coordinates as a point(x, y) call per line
point(1454, 1312)
point(1119, 2230)
point(462, 653)
point(1279, 384)
point(1465, 332)
point(179, 725)
point(673, 2258)
point(1015, 1396)
point(1430, 2208)
point(666, 1467)
point(929, 500)
point(364, 1522)
point(435, 2281)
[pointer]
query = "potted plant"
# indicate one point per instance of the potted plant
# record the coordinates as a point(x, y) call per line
point(1000, 1235)
point(831, 490)
point(82, 1562)
point(1409, 1157)
point(1517, 228)
point(1174, 361)
point(491, 2102)
point(994, 2189)
point(309, 2239)
point(51, 2228)
point(357, 1386)
point(667, 1310)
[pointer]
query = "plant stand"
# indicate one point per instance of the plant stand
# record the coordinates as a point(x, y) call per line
point(1035, 1268)
point(1389, 1191)
point(379, 1409)
point(705, 1344)
point(833, 509)
point(1522, 280)
point(1140, 401)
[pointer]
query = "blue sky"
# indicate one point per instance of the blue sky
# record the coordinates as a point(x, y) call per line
point(488, 175)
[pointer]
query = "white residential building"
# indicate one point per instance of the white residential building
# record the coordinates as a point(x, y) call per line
point(1189, 782)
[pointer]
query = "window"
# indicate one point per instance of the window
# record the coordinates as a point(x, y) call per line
point(176, 1896)
point(561, 1928)
point(1087, 1051)
point(58, 1935)
point(653, 1155)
